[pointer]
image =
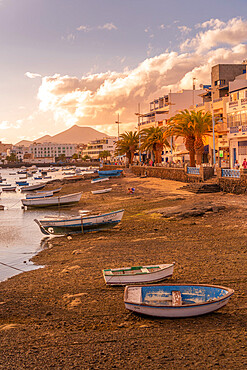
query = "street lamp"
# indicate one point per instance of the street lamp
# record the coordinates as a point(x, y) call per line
point(118, 122)
point(139, 115)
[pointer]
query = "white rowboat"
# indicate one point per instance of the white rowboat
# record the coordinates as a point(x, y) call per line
point(138, 274)
point(179, 300)
point(79, 224)
point(102, 191)
point(63, 200)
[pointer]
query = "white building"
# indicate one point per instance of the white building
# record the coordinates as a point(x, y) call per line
point(165, 107)
point(95, 147)
point(237, 119)
point(52, 150)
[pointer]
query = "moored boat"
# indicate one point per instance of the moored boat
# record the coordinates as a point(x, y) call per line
point(63, 200)
point(98, 179)
point(179, 300)
point(79, 224)
point(110, 173)
point(138, 274)
point(101, 191)
point(9, 188)
point(33, 187)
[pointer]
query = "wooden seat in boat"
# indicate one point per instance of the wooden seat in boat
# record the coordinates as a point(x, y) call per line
point(176, 298)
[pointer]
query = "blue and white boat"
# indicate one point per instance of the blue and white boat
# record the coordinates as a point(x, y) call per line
point(110, 173)
point(63, 200)
point(79, 224)
point(180, 300)
point(22, 183)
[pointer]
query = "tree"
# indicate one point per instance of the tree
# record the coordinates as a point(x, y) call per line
point(104, 154)
point(12, 157)
point(128, 144)
point(75, 156)
point(193, 127)
point(154, 139)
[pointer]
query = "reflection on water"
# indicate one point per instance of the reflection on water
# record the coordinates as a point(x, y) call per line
point(20, 236)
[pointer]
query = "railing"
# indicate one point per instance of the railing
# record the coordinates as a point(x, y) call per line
point(233, 130)
point(230, 173)
point(193, 171)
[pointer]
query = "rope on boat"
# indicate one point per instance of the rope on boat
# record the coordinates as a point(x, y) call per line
point(15, 268)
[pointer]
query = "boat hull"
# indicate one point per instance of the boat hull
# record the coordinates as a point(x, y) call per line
point(196, 300)
point(81, 224)
point(65, 200)
point(110, 173)
point(139, 278)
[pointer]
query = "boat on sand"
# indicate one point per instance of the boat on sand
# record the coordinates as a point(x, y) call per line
point(79, 224)
point(63, 200)
point(138, 274)
point(176, 300)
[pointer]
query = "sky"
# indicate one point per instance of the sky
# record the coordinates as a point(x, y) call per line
point(66, 62)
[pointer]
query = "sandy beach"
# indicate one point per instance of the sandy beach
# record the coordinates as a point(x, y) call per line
point(63, 316)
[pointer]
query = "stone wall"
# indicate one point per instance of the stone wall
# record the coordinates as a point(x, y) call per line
point(233, 185)
point(169, 173)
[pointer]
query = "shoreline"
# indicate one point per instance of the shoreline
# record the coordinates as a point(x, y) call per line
point(63, 315)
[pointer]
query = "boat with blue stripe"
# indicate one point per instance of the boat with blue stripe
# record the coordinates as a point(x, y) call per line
point(110, 173)
point(179, 300)
point(79, 224)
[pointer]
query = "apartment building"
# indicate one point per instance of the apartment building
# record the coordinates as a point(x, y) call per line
point(95, 147)
point(237, 119)
point(162, 109)
point(52, 150)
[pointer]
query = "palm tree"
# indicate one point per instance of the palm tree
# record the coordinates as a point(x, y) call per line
point(128, 144)
point(193, 127)
point(154, 139)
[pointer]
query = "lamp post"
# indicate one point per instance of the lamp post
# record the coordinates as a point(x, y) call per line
point(214, 157)
point(118, 122)
point(138, 116)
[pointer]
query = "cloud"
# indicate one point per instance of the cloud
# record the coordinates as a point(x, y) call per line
point(108, 26)
point(32, 75)
point(96, 99)
point(84, 28)
point(184, 29)
point(230, 33)
point(6, 125)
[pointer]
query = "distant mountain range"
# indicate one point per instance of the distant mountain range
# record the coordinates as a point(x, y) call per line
point(74, 135)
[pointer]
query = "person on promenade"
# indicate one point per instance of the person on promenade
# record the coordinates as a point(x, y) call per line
point(236, 165)
point(244, 164)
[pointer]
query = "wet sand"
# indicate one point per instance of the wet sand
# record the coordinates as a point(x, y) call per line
point(64, 317)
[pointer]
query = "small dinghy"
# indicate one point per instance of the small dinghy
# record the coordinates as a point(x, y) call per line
point(138, 274)
point(98, 179)
point(64, 200)
point(32, 187)
point(9, 188)
point(102, 191)
point(178, 300)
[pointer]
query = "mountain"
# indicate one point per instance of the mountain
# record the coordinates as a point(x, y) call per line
point(74, 135)
point(24, 143)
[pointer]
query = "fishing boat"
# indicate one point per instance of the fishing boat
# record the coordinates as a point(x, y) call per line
point(98, 179)
point(110, 173)
point(9, 188)
point(42, 194)
point(32, 187)
point(22, 183)
point(101, 191)
point(138, 274)
point(79, 224)
point(180, 300)
point(63, 200)
point(35, 195)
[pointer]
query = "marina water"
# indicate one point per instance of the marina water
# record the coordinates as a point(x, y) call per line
point(20, 237)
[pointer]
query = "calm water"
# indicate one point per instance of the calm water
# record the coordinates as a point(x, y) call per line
point(20, 236)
